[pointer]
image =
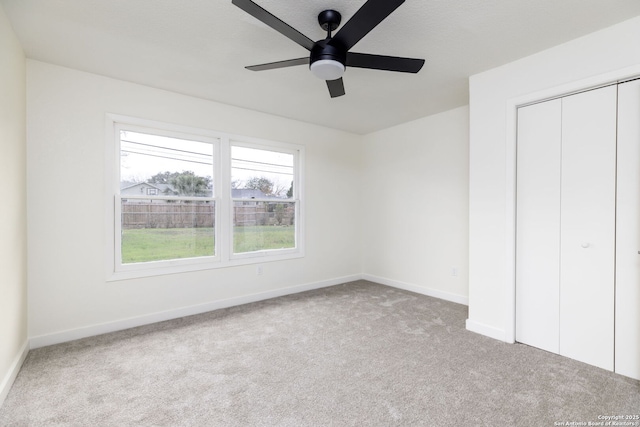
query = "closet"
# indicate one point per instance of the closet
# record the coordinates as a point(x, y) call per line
point(577, 227)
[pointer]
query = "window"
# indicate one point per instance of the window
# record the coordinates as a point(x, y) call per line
point(265, 177)
point(179, 223)
point(188, 199)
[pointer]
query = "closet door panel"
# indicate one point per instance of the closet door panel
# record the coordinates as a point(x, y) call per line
point(538, 225)
point(627, 322)
point(587, 224)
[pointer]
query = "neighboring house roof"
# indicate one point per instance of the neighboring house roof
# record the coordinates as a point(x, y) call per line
point(143, 188)
point(129, 186)
point(248, 193)
point(163, 189)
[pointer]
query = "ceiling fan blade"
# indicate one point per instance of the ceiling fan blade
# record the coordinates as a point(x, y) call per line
point(283, 28)
point(279, 64)
point(336, 87)
point(381, 62)
point(364, 20)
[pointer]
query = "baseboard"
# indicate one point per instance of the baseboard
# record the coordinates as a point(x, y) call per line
point(459, 299)
point(11, 375)
point(118, 325)
point(486, 330)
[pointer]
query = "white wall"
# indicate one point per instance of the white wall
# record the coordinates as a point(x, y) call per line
point(68, 294)
point(13, 267)
point(607, 54)
point(416, 205)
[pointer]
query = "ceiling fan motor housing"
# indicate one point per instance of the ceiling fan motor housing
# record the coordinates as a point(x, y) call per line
point(323, 50)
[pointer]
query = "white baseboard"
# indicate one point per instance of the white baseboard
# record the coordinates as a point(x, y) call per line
point(11, 375)
point(459, 299)
point(132, 322)
point(486, 330)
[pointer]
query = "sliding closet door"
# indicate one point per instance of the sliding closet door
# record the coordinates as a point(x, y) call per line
point(627, 349)
point(538, 225)
point(587, 224)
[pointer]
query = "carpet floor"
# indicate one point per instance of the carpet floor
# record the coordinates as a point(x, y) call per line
point(358, 354)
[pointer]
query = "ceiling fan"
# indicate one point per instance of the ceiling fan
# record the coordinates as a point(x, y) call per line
point(330, 57)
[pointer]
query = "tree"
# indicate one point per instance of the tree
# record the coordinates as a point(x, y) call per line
point(189, 184)
point(162, 177)
point(290, 191)
point(260, 183)
point(185, 183)
point(268, 187)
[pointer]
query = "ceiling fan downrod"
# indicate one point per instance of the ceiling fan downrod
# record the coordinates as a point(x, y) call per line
point(329, 21)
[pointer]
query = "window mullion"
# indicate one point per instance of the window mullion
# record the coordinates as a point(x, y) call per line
point(226, 219)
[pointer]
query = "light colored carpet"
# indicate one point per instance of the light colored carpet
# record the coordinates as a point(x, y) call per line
point(358, 354)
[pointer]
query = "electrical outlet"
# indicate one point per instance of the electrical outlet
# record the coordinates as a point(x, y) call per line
point(454, 271)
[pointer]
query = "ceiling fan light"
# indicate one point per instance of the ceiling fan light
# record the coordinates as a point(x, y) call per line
point(327, 69)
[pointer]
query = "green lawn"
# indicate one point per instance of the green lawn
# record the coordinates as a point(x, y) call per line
point(261, 237)
point(157, 244)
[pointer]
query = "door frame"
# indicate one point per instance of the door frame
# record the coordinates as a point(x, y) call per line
point(512, 105)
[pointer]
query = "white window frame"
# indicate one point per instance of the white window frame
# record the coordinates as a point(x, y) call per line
point(224, 256)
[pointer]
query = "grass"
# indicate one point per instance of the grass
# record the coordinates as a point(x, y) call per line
point(262, 237)
point(158, 244)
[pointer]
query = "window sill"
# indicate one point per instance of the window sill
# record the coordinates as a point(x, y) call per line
point(161, 270)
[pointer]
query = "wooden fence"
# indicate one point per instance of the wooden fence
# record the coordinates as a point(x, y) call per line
point(198, 214)
point(263, 213)
point(167, 215)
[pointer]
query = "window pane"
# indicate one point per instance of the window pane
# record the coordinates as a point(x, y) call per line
point(257, 174)
point(158, 230)
point(261, 226)
point(160, 165)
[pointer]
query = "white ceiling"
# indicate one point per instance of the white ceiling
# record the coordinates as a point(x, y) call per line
point(200, 48)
